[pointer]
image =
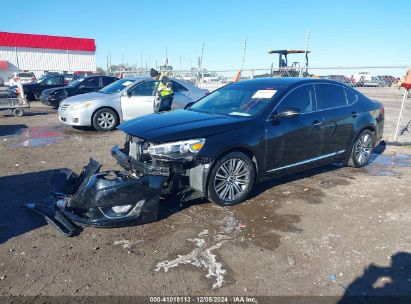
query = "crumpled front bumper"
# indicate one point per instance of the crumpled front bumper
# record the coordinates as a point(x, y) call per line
point(101, 199)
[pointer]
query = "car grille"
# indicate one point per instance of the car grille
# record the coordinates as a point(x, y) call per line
point(64, 107)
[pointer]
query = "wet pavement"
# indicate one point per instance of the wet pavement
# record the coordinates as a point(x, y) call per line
point(319, 232)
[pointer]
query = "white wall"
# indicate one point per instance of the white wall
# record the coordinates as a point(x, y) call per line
point(40, 60)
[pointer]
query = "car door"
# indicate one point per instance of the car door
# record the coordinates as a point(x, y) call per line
point(107, 80)
point(88, 85)
point(182, 96)
point(139, 100)
point(49, 83)
point(338, 117)
point(293, 141)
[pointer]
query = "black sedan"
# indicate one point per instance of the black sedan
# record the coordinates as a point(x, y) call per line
point(33, 90)
point(53, 97)
point(253, 130)
point(219, 147)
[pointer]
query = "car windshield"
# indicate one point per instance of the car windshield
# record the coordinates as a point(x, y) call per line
point(42, 78)
point(117, 86)
point(75, 83)
point(236, 100)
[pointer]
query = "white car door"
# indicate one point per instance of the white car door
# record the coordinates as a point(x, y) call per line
point(139, 100)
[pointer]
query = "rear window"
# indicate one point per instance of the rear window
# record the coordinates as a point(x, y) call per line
point(330, 96)
point(26, 75)
point(108, 80)
point(352, 97)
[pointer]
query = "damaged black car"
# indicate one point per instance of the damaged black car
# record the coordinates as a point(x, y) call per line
point(218, 148)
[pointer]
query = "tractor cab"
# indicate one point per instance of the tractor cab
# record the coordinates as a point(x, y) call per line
point(285, 70)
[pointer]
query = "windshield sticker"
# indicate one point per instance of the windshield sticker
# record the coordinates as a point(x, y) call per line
point(262, 94)
point(127, 83)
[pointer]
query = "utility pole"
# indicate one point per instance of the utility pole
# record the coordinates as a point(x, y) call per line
point(141, 60)
point(201, 62)
point(306, 50)
point(244, 49)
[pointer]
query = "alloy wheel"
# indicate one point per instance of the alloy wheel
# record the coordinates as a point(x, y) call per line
point(363, 149)
point(232, 179)
point(106, 120)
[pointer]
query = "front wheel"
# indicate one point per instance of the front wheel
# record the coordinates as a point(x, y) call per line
point(362, 149)
point(105, 120)
point(231, 179)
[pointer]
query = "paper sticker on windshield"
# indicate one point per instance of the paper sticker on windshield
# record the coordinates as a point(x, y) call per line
point(126, 83)
point(261, 94)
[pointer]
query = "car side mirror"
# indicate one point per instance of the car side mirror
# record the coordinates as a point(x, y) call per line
point(289, 112)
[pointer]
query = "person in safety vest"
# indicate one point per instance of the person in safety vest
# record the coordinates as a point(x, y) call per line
point(165, 93)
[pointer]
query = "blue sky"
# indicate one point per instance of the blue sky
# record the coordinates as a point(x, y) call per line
point(346, 33)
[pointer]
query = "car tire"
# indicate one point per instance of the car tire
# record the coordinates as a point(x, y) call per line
point(105, 119)
point(29, 96)
point(18, 112)
point(231, 179)
point(361, 150)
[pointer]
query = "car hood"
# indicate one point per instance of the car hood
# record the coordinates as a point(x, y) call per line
point(87, 97)
point(53, 90)
point(181, 124)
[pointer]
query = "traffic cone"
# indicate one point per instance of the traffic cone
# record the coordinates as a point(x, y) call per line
point(237, 76)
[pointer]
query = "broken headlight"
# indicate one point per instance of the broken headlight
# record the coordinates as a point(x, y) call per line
point(178, 150)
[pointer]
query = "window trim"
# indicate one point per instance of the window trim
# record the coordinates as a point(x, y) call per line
point(292, 90)
point(345, 95)
point(139, 84)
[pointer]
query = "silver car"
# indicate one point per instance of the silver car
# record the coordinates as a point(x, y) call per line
point(122, 100)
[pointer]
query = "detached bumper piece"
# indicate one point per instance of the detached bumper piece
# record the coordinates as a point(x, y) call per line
point(101, 199)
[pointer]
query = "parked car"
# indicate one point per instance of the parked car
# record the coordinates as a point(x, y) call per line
point(253, 130)
point(387, 80)
point(371, 82)
point(122, 100)
point(22, 78)
point(33, 90)
point(53, 97)
point(339, 78)
point(219, 148)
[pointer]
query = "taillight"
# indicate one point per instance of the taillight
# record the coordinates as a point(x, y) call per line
point(382, 110)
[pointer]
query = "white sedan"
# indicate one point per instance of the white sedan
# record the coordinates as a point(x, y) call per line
point(122, 100)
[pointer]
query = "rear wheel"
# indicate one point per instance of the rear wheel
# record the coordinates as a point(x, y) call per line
point(18, 112)
point(231, 179)
point(105, 120)
point(362, 149)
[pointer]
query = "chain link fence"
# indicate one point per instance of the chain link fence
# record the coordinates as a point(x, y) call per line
point(382, 83)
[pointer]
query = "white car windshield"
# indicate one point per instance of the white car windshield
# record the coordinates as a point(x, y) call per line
point(117, 86)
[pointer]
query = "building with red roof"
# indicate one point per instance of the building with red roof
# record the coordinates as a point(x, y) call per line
point(44, 53)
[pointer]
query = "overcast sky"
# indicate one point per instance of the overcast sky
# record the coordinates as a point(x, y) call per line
point(347, 33)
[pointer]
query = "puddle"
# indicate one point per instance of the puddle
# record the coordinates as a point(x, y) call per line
point(39, 136)
point(395, 160)
point(383, 165)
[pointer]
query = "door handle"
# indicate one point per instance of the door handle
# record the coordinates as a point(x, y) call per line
point(148, 100)
point(316, 123)
point(354, 114)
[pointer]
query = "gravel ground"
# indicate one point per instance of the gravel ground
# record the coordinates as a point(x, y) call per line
point(331, 231)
